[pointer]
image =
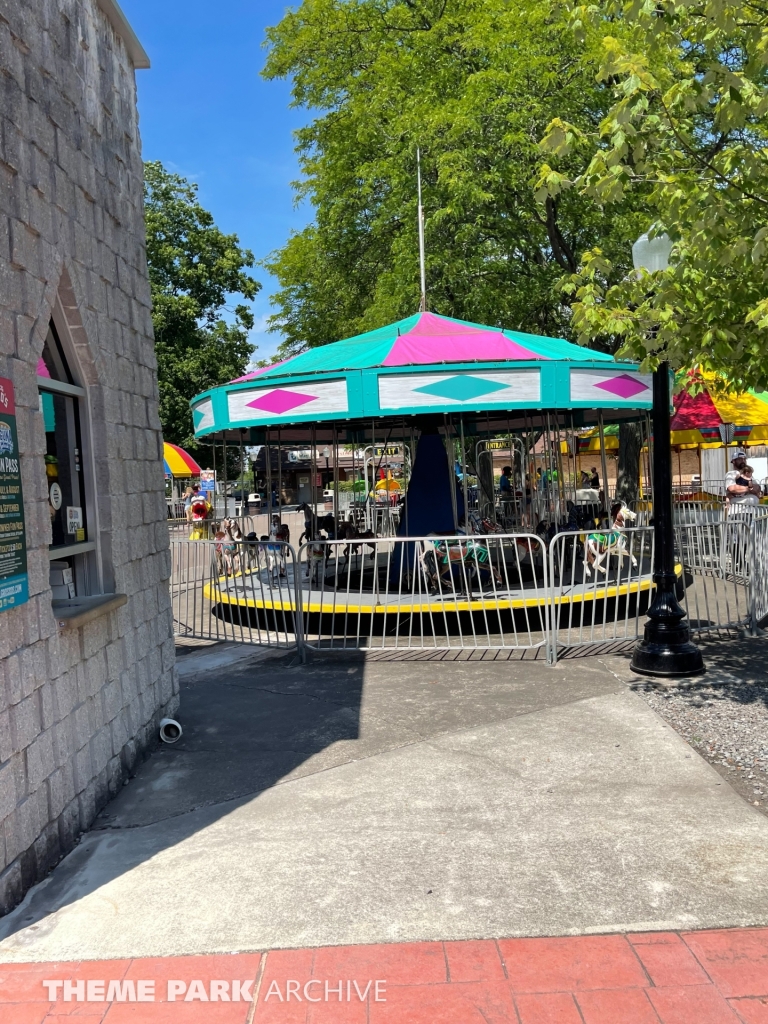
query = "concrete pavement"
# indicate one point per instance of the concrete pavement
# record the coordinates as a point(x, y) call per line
point(354, 801)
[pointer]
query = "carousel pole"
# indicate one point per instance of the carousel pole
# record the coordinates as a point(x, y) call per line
point(213, 460)
point(243, 502)
point(225, 473)
point(268, 457)
point(451, 471)
point(604, 464)
point(464, 474)
point(313, 474)
point(336, 477)
point(410, 472)
point(373, 524)
point(354, 475)
point(279, 476)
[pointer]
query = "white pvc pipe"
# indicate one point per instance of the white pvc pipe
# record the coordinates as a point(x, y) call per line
point(170, 730)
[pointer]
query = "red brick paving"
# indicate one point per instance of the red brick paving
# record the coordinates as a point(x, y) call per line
point(709, 977)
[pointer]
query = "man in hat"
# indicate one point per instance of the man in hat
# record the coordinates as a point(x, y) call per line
point(739, 490)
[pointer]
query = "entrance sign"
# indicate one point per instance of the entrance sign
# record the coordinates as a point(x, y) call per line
point(14, 585)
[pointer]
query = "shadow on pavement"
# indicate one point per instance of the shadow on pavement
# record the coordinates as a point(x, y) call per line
point(265, 721)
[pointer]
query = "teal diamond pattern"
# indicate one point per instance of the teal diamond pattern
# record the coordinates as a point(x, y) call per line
point(198, 415)
point(461, 388)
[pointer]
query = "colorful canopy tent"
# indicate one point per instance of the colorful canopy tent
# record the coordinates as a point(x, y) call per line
point(424, 364)
point(178, 463)
point(698, 418)
point(590, 440)
point(697, 421)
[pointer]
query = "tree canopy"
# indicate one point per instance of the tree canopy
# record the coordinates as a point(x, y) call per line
point(687, 129)
point(193, 269)
point(474, 84)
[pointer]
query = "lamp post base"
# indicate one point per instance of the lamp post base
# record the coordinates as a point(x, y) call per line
point(652, 658)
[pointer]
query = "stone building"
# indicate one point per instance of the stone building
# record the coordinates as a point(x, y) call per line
point(87, 661)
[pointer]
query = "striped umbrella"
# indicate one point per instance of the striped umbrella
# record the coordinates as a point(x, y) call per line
point(178, 463)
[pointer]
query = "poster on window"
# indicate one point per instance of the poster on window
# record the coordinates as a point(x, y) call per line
point(14, 587)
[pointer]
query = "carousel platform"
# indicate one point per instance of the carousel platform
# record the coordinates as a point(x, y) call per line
point(360, 594)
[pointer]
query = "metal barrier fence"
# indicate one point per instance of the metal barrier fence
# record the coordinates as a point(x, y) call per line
point(759, 570)
point(598, 601)
point(683, 511)
point(221, 592)
point(460, 593)
point(500, 593)
point(715, 590)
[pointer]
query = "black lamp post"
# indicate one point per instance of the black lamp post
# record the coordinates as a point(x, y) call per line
point(666, 648)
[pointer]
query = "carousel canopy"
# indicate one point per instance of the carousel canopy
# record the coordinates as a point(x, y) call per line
point(423, 364)
point(178, 463)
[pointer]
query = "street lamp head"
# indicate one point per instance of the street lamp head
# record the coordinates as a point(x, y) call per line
point(326, 452)
point(651, 253)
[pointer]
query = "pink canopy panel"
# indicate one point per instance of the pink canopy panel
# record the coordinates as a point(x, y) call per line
point(436, 339)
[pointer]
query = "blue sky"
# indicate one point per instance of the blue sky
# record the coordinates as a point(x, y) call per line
point(206, 113)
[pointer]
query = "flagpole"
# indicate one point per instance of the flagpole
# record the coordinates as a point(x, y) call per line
point(423, 303)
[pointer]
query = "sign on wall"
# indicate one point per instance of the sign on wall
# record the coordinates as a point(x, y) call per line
point(14, 586)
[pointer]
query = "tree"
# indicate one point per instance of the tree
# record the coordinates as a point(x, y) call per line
point(687, 128)
point(473, 83)
point(193, 268)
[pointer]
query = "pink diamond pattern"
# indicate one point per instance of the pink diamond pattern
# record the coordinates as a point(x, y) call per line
point(280, 401)
point(623, 386)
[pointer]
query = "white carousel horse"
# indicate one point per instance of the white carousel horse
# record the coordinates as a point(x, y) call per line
point(599, 547)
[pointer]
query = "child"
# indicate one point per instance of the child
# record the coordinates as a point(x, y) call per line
point(744, 479)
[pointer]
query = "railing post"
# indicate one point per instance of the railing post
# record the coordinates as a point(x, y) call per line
point(551, 610)
point(298, 614)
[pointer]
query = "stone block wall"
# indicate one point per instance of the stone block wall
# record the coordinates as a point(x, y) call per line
point(78, 707)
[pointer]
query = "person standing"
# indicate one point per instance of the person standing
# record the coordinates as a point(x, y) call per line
point(190, 496)
point(741, 492)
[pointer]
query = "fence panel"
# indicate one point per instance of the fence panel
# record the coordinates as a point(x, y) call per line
point(235, 591)
point(460, 593)
point(759, 572)
point(502, 592)
point(598, 602)
point(716, 564)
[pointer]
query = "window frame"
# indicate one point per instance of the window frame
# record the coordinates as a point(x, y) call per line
point(85, 555)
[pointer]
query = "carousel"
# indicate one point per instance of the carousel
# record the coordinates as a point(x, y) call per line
point(456, 547)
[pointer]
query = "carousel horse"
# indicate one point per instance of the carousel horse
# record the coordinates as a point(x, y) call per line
point(599, 547)
point(356, 540)
point(313, 524)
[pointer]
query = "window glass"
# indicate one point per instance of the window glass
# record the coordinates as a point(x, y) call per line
point(63, 469)
point(52, 363)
